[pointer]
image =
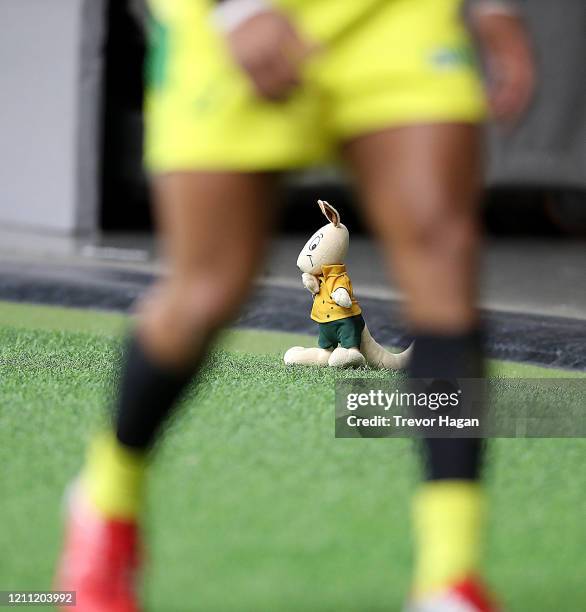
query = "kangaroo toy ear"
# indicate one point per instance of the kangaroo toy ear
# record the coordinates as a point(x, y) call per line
point(331, 214)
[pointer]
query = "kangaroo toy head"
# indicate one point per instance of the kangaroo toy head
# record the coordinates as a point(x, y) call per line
point(328, 246)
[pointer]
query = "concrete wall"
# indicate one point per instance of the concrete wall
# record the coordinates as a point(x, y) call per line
point(50, 71)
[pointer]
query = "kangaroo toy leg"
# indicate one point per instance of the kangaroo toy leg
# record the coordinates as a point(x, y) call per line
point(346, 358)
point(307, 356)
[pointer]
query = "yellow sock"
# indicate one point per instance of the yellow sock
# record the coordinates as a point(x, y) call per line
point(114, 477)
point(448, 518)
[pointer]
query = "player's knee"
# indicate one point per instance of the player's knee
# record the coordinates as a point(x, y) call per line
point(444, 233)
point(194, 305)
point(212, 300)
point(457, 237)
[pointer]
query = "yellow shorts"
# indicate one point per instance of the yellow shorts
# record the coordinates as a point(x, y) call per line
point(382, 63)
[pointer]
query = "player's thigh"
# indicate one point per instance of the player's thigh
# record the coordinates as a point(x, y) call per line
point(213, 229)
point(417, 178)
point(213, 225)
point(419, 186)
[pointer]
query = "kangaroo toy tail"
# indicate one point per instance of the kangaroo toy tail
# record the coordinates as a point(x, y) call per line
point(378, 357)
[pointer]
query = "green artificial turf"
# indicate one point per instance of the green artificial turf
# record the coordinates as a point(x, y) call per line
point(253, 505)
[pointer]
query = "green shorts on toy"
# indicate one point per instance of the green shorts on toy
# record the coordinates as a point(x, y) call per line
point(344, 339)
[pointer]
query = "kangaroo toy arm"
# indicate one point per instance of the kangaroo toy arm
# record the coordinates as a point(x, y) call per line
point(342, 297)
point(310, 282)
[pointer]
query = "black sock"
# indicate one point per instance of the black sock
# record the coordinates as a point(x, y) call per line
point(147, 394)
point(449, 357)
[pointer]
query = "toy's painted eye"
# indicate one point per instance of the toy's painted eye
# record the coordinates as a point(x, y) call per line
point(315, 242)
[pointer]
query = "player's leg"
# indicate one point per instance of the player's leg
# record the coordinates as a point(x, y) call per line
point(213, 226)
point(420, 186)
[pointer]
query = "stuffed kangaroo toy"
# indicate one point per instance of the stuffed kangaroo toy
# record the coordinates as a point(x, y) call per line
point(344, 340)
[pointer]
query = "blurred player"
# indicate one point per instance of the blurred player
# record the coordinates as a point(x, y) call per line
point(238, 93)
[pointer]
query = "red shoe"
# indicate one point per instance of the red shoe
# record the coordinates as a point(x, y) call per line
point(99, 561)
point(469, 595)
